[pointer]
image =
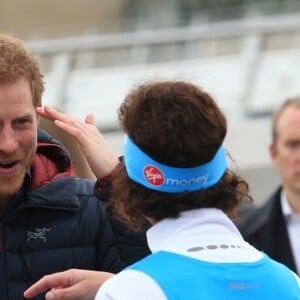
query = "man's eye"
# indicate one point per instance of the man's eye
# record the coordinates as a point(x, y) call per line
point(293, 145)
point(22, 122)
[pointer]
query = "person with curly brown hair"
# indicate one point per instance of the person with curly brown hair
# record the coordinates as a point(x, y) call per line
point(174, 175)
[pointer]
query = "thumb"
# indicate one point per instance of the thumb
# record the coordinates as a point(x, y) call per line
point(63, 294)
point(90, 119)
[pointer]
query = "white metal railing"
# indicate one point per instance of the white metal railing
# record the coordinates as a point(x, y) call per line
point(210, 31)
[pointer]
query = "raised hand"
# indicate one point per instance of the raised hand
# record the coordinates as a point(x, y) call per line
point(98, 153)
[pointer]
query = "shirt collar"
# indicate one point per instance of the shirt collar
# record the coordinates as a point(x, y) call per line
point(206, 224)
point(287, 210)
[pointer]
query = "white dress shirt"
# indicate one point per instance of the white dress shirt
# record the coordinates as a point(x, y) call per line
point(293, 228)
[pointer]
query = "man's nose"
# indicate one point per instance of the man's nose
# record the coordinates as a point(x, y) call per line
point(8, 140)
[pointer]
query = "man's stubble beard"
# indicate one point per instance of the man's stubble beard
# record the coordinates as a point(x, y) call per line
point(9, 186)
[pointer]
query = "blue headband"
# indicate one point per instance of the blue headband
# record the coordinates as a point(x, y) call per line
point(155, 176)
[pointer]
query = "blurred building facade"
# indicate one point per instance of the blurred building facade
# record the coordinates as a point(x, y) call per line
point(245, 53)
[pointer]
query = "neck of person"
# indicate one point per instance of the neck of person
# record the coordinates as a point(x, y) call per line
point(293, 197)
point(152, 221)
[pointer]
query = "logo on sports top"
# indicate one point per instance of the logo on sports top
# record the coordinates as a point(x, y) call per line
point(153, 175)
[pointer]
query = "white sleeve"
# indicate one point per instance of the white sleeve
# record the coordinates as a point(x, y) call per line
point(128, 285)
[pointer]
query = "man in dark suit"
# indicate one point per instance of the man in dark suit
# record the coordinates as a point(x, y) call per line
point(275, 227)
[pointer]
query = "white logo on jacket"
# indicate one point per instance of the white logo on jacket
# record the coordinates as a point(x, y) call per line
point(39, 233)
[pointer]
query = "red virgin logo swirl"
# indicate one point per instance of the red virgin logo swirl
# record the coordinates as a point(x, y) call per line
point(153, 175)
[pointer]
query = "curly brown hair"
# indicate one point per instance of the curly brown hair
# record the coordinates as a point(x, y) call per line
point(16, 62)
point(177, 124)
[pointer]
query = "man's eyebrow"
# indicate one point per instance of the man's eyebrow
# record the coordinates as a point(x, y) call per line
point(24, 116)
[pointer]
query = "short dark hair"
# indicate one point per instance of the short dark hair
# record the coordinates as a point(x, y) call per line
point(177, 124)
point(290, 102)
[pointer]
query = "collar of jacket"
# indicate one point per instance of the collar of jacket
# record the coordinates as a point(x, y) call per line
point(269, 214)
point(50, 162)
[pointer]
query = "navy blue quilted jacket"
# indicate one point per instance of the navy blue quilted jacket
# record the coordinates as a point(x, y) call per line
point(54, 223)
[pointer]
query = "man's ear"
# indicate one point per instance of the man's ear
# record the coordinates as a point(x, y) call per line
point(38, 118)
point(273, 152)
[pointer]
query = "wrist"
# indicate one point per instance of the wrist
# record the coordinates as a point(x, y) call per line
point(104, 182)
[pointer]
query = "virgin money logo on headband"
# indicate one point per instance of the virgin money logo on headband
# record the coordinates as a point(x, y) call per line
point(153, 175)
